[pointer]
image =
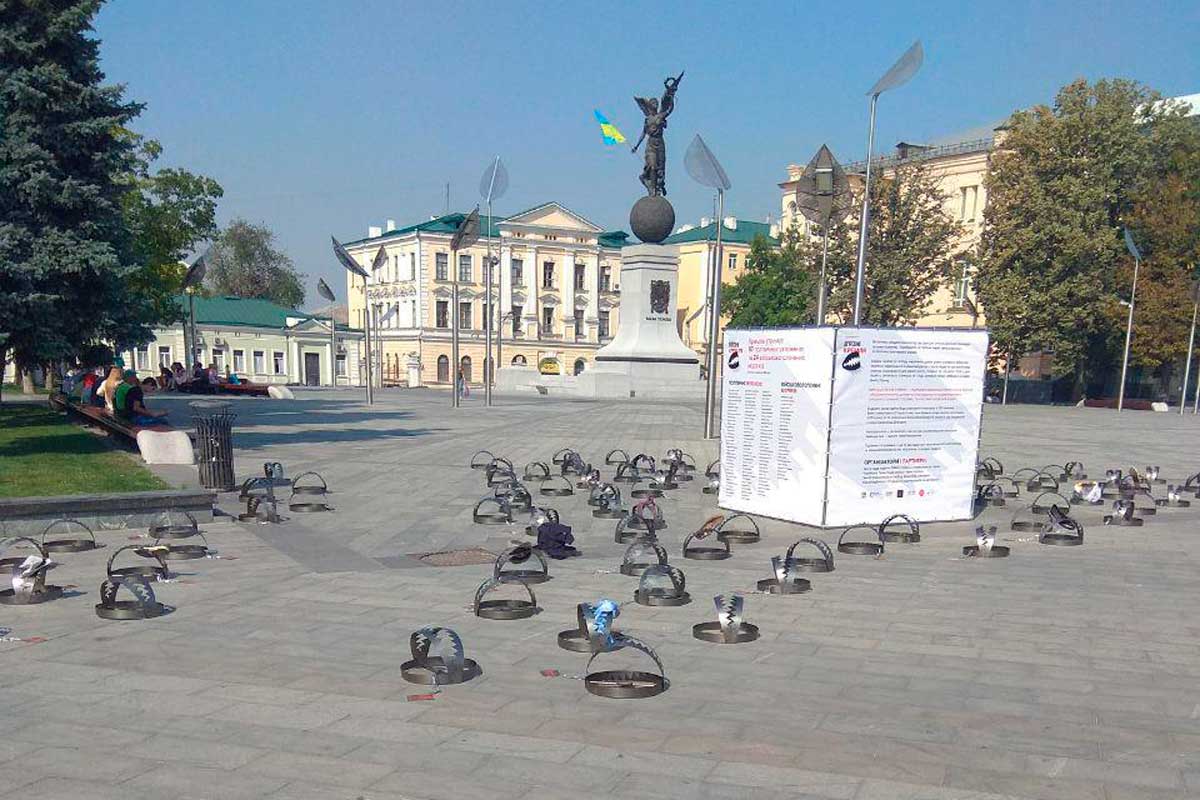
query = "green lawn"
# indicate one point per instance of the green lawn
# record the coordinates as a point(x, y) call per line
point(11, 389)
point(41, 453)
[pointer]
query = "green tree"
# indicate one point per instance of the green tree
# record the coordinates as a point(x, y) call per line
point(244, 262)
point(912, 247)
point(63, 242)
point(1063, 183)
point(168, 213)
point(777, 286)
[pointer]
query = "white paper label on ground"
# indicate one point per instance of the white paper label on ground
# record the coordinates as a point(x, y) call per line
point(775, 422)
point(907, 405)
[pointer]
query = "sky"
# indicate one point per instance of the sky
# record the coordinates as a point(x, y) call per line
point(321, 117)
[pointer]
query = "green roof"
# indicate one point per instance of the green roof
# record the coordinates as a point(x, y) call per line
point(245, 311)
point(447, 224)
point(744, 233)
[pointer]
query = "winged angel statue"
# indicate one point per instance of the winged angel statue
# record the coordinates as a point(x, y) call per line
point(654, 174)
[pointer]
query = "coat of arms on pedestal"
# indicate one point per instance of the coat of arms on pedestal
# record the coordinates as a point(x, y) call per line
point(660, 296)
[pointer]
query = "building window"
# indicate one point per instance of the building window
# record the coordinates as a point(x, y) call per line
point(969, 203)
point(516, 320)
point(164, 356)
point(580, 276)
point(578, 324)
point(442, 267)
point(218, 360)
point(465, 368)
point(464, 315)
point(962, 287)
point(141, 357)
point(519, 360)
point(260, 367)
point(602, 326)
point(277, 362)
point(551, 237)
point(606, 278)
point(518, 272)
point(464, 268)
point(580, 365)
point(239, 360)
point(548, 319)
point(443, 369)
point(443, 313)
point(732, 262)
point(548, 275)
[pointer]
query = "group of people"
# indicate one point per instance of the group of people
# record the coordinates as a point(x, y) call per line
point(121, 393)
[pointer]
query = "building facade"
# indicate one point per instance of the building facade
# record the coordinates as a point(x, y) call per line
point(259, 341)
point(555, 299)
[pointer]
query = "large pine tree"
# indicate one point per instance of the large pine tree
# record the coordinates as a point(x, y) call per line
point(64, 155)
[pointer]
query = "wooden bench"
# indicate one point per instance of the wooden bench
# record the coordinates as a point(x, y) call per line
point(251, 389)
point(1111, 402)
point(94, 415)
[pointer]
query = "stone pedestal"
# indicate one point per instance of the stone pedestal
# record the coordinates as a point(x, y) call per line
point(646, 358)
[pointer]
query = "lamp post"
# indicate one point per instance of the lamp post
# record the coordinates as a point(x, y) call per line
point(818, 196)
point(324, 290)
point(1187, 367)
point(900, 73)
point(354, 268)
point(492, 185)
point(1137, 262)
point(704, 168)
point(466, 235)
point(191, 282)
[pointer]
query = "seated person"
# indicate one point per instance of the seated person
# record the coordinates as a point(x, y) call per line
point(233, 379)
point(179, 374)
point(87, 388)
point(166, 380)
point(131, 400)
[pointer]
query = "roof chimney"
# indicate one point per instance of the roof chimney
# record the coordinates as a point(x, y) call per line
point(391, 226)
point(373, 231)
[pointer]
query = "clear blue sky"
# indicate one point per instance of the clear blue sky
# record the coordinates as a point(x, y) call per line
point(324, 116)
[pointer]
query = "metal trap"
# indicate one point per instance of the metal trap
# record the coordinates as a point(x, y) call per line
point(563, 456)
point(729, 628)
point(626, 472)
point(989, 494)
point(557, 486)
point(27, 575)
point(783, 582)
point(985, 545)
point(482, 459)
point(1066, 473)
point(861, 547)
point(1061, 530)
point(901, 529)
point(316, 489)
point(143, 605)
point(1124, 514)
point(538, 517)
point(607, 501)
point(179, 552)
point(1174, 498)
point(594, 631)
point(746, 530)
point(451, 666)
point(492, 511)
point(626, 684)
point(646, 488)
point(643, 462)
point(504, 608)
point(989, 469)
point(647, 516)
point(806, 563)
point(638, 557)
point(713, 470)
point(77, 543)
point(1025, 520)
point(156, 570)
point(713, 486)
point(662, 585)
point(720, 552)
point(1043, 502)
point(261, 509)
point(617, 456)
point(536, 471)
point(521, 554)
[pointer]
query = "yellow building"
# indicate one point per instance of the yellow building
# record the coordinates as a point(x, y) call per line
point(960, 167)
point(697, 246)
point(556, 295)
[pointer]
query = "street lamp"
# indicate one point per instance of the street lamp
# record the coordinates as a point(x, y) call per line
point(1137, 262)
point(466, 235)
point(354, 268)
point(191, 282)
point(491, 187)
point(900, 73)
point(819, 193)
point(704, 168)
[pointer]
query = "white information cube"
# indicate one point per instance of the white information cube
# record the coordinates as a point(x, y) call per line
point(840, 426)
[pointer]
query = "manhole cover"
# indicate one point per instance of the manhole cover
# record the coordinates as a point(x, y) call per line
point(456, 558)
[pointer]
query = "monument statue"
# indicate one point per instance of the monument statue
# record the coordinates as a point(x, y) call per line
point(652, 217)
point(654, 174)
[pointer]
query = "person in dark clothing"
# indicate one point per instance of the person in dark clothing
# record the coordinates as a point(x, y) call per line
point(132, 401)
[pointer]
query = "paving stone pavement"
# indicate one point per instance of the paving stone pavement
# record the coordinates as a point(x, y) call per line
point(1055, 673)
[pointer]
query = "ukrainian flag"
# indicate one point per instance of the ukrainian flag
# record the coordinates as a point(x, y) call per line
point(608, 130)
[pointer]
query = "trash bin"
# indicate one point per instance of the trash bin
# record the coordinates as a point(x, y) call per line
point(214, 443)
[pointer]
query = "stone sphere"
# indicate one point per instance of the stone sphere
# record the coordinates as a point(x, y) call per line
point(652, 219)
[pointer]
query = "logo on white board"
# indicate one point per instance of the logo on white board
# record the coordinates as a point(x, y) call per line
point(735, 355)
point(851, 362)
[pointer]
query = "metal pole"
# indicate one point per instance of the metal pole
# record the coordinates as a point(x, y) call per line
point(454, 330)
point(1007, 372)
point(714, 329)
point(860, 276)
point(499, 341)
point(1137, 262)
point(332, 346)
point(821, 288)
point(367, 344)
point(1187, 365)
point(192, 322)
point(489, 312)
